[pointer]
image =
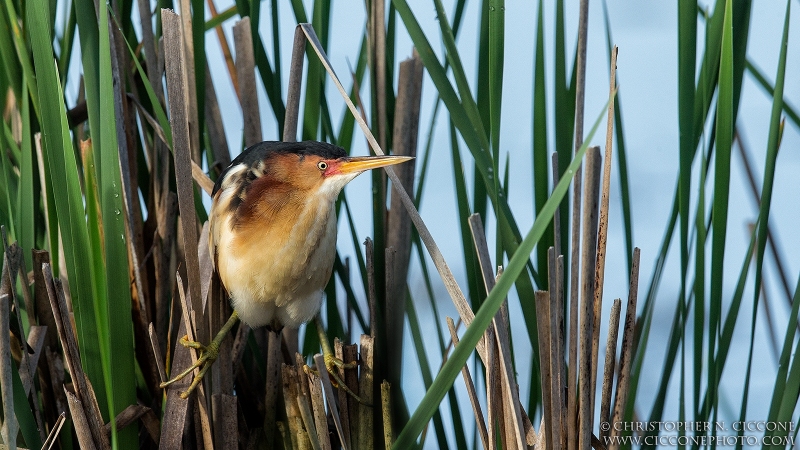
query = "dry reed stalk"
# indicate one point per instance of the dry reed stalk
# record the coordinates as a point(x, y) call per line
point(557, 212)
point(150, 46)
point(294, 417)
point(587, 371)
point(166, 213)
point(398, 223)
point(36, 339)
point(162, 373)
point(513, 411)
point(36, 343)
point(53, 397)
point(179, 116)
point(44, 315)
point(377, 59)
point(207, 276)
point(392, 307)
point(127, 416)
point(386, 408)
point(327, 387)
point(91, 404)
point(344, 406)
point(190, 324)
point(365, 386)
point(371, 295)
point(562, 338)
point(602, 230)
point(174, 417)
point(543, 325)
point(318, 408)
point(9, 427)
point(574, 313)
point(485, 263)
point(246, 75)
point(494, 400)
point(81, 425)
point(555, 348)
point(152, 425)
point(608, 368)
point(293, 90)
point(30, 346)
point(308, 419)
point(55, 376)
point(216, 129)
point(54, 432)
point(176, 411)
point(190, 93)
point(473, 396)
point(273, 384)
point(580, 84)
point(628, 336)
point(580, 76)
point(516, 423)
point(224, 404)
point(223, 407)
point(350, 354)
point(572, 391)
point(69, 343)
point(226, 49)
point(22, 271)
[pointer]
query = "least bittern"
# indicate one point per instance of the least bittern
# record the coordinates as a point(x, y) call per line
point(273, 235)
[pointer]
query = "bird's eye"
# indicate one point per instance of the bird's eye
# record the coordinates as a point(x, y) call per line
point(322, 165)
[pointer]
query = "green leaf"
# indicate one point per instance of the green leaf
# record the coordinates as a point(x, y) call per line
point(767, 86)
point(114, 312)
point(687, 48)
point(484, 316)
point(541, 163)
point(425, 368)
point(67, 197)
point(722, 174)
point(26, 224)
point(773, 144)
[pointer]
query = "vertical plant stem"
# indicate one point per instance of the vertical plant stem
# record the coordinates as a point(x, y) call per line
point(473, 396)
point(608, 368)
point(245, 73)
point(9, 428)
point(543, 315)
point(386, 408)
point(190, 86)
point(602, 230)
point(580, 82)
point(627, 352)
point(179, 121)
point(295, 80)
point(587, 370)
point(555, 348)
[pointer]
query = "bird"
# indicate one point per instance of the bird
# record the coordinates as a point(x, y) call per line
point(272, 235)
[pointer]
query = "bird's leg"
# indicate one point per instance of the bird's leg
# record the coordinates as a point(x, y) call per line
point(332, 362)
point(208, 354)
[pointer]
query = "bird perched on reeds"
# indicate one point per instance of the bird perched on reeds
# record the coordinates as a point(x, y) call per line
point(272, 234)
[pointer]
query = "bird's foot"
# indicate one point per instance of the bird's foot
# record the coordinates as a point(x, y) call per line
point(333, 363)
point(208, 354)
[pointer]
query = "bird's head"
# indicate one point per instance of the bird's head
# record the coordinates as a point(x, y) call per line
point(322, 171)
point(272, 174)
